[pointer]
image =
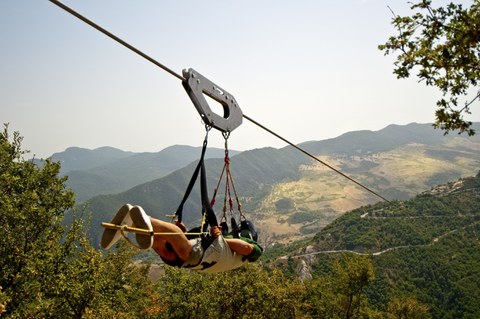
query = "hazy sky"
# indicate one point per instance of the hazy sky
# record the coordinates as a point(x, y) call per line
point(308, 70)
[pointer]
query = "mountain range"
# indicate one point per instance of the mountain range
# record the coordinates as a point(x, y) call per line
point(287, 194)
point(107, 170)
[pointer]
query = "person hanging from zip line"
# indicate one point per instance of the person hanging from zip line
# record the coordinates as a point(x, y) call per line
point(209, 253)
point(212, 252)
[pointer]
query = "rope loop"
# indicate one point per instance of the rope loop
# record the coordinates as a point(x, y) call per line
point(207, 130)
point(226, 135)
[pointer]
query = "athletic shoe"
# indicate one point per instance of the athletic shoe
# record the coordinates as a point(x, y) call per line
point(111, 236)
point(141, 220)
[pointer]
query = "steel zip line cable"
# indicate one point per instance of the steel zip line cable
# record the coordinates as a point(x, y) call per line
point(180, 77)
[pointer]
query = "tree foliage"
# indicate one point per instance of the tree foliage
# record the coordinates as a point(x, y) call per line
point(410, 308)
point(443, 45)
point(340, 292)
point(32, 203)
point(249, 292)
point(48, 270)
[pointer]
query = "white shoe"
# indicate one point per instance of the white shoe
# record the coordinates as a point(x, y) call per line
point(141, 220)
point(111, 236)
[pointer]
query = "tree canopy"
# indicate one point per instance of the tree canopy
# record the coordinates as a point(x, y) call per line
point(443, 46)
point(47, 269)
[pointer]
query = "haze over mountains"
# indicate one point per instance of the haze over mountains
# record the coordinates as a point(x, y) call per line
point(288, 195)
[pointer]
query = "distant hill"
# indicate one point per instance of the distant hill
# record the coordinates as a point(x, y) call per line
point(384, 140)
point(77, 158)
point(291, 197)
point(108, 170)
point(427, 247)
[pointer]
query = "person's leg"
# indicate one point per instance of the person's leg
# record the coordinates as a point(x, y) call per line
point(172, 234)
point(179, 241)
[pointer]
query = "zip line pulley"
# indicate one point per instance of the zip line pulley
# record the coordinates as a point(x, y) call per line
point(197, 86)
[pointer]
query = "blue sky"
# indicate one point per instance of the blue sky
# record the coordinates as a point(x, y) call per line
point(308, 70)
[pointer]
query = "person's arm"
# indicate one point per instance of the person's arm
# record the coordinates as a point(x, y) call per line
point(239, 246)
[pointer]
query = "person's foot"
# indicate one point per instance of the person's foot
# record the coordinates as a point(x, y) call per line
point(111, 236)
point(141, 220)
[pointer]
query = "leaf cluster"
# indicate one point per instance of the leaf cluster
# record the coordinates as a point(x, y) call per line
point(443, 46)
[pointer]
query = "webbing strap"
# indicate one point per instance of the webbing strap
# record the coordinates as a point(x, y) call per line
point(206, 207)
point(193, 179)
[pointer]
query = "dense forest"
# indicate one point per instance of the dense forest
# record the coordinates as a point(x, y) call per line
point(414, 259)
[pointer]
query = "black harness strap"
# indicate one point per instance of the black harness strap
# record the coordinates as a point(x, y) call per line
point(206, 207)
point(193, 179)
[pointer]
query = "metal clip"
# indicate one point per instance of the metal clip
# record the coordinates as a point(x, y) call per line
point(197, 86)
